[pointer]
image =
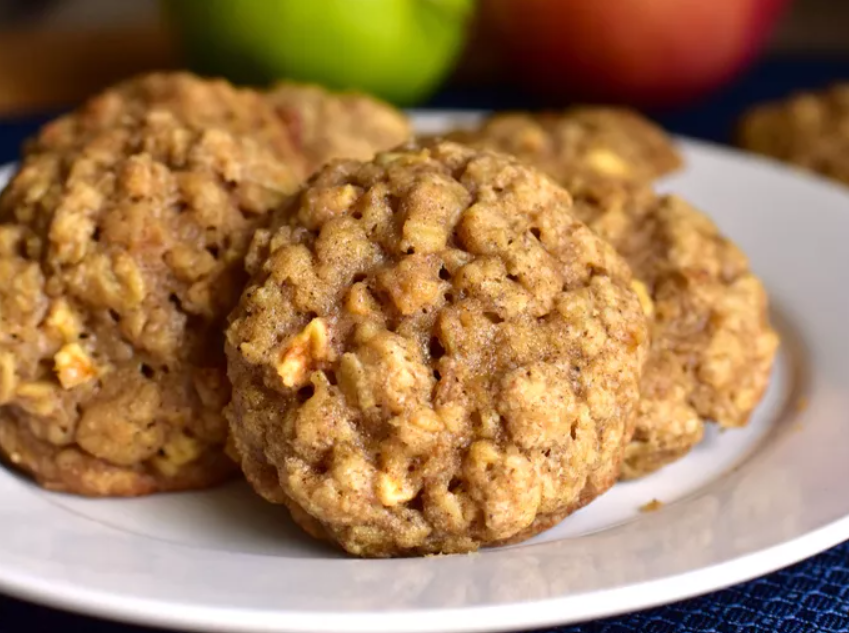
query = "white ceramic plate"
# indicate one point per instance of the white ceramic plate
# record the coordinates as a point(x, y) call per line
point(743, 504)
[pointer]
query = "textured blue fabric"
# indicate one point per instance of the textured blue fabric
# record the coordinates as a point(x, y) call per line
point(808, 597)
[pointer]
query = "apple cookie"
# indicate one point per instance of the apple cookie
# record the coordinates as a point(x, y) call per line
point(607, 142)
point(328, 125)
point(119, 262)
point(712, 344)
point(433, 355)
point(203, 103)
point(809, 130)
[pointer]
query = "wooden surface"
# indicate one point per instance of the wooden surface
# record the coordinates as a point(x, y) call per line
point(814, 27)
point(45, 69)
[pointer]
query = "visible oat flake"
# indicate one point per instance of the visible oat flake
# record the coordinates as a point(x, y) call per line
point(651, 506)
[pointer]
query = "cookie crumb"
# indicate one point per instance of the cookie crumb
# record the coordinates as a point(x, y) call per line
point(651, 506)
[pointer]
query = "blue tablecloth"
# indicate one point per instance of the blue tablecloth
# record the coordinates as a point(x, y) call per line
point(810, 596)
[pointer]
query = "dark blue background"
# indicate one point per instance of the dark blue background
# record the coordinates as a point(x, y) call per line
point(810, 596)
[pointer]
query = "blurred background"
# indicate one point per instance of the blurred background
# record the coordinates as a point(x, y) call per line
point(695, 65)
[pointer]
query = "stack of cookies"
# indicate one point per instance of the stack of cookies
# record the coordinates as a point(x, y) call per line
point(417, 346)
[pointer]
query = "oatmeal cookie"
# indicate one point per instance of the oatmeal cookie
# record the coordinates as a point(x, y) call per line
point(433, 355)
point(202, 103)
point(809, 130)
point(608, 142)
point(712, 343)
point(328, 125)
point(119, 261)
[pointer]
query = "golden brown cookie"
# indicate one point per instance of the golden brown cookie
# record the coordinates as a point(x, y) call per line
point(712, 343)
point(119, 260)
point(604, 141)
point(809, 130)
point(433, 355)
point(333, 125)
point(202, 103)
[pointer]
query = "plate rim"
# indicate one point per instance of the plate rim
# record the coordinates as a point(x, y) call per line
point(476, 619)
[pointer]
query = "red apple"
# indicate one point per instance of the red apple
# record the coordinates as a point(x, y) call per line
point(644, 52)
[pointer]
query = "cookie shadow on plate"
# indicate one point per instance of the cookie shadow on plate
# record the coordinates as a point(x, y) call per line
point(231, 518)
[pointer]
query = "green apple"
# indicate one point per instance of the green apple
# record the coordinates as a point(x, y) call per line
point(399, 50)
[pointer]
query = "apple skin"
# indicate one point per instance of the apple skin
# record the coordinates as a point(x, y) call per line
point(642, 52)
point(399, 50)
